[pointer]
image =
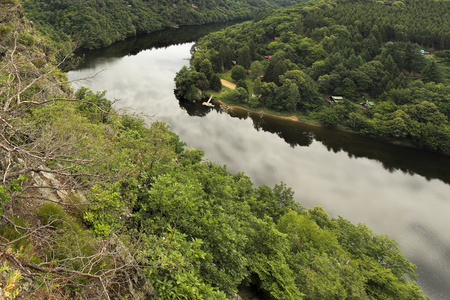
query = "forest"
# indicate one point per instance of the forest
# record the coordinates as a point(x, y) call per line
point(95, 204)
point(386, 61)
point(98, 23)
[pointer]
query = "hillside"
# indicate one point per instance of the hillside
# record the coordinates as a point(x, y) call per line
point(97, 23)
point(98, 205)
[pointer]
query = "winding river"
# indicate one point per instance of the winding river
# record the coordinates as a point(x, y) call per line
point(395, 190)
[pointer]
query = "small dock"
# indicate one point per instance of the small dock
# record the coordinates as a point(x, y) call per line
point(208, 103)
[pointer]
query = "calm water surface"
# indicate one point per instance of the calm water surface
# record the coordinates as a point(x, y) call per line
point(399, 191)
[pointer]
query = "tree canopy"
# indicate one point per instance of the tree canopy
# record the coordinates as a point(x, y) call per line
point(94, 24)
point(371, 53)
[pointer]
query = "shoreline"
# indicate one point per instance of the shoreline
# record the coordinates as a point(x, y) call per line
point(225, 107)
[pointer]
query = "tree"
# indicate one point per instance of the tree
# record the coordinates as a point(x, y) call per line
point(269, 94)
point(398, 126)
point(244, 57)
point(257, 86)
point(358, 122)
point(354, 62)
point(309, 96)
point(407, 56)
point(328, 117)
point(238, 72)
point(216, 61)
point(215, 83)
point(256, 70)
point(293, 98)
point(237, 95)
point(433, 73)
point(241, 84)
point(227, 55)
point(277, 67)
point(206, 68)
point(189, 84)
point(267, 247)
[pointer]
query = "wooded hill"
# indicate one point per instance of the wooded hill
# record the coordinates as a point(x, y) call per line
point(387, 60)
point(97, 205)
point(99, 23)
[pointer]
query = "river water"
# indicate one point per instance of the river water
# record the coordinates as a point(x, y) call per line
point(402, 192)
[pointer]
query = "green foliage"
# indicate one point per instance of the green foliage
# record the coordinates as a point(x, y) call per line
point(215, 83)
point(256, 70)
point(23, 244)
point(257, 86)
point(6, 29)
point(106, 211)
point(268, 248)
point(196, 230)
point(50, 213)
point(305, 234)
point(15, 186)
point(242, 84)
point(328, 117)
point(238, 72)
point(10, 280)
point(238, 95)
point(27, 39)
point(99, 24)
point(94, 105)
point(433, 73)
point(358, 50)
point(178, 276)
point(4, 196)
point(244, 57)
point(190, 83)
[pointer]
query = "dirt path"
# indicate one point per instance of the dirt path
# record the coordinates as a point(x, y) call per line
point(228, 84)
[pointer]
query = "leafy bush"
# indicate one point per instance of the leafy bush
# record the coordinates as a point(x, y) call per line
point(238, 72)
point(27, 39)
point(6, 29)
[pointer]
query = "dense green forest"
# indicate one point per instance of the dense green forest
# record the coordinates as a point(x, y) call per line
point(99, 205)
point(389, 60)
point(99, 23)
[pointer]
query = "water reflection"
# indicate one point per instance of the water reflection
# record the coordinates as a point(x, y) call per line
point(195, 109)
point(134, 45)
point(438, 251)
point(392, 157)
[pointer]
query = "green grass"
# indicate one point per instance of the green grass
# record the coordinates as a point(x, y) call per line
point(226, 76)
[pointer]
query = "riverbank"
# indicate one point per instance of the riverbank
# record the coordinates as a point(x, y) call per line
point(294, 118)
point(225, 106)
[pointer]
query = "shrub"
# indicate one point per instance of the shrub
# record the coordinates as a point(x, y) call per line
point(27, 39)
point(238, 72)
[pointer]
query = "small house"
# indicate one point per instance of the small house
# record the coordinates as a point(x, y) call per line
point(337, 99)
point(369, 104)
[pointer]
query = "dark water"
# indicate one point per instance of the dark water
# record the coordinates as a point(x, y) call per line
point(395, 190)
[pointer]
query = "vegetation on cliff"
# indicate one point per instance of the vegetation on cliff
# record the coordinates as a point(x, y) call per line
point(97, 205)
point(387, 61)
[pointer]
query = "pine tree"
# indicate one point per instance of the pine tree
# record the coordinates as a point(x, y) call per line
point(433, 72)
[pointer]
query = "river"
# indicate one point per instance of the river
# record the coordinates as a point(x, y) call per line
point(395, 190)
